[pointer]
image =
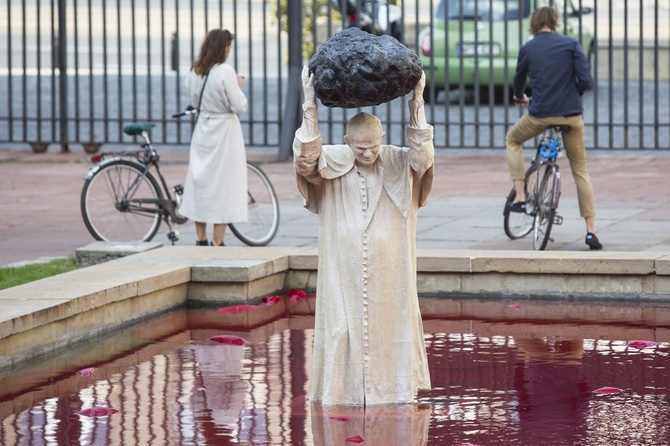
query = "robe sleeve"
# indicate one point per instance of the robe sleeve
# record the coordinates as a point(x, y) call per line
point(421, 150)
point(307, 148)
point(237, 99)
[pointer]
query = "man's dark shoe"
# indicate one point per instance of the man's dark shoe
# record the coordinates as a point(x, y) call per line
point(592, 241)
point(518, 207)
point(217, 245)
point(201, 243)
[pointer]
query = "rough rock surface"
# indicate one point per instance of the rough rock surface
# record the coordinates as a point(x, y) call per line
point(357, 69)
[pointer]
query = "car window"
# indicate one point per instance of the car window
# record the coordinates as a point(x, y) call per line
point(495, 10)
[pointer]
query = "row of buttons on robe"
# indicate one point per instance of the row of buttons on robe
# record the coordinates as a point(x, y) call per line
point(364, 194)
point(364, 204)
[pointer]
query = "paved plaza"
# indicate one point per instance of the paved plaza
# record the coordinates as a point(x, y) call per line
point(41, 216)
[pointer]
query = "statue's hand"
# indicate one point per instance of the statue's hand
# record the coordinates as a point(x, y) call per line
point(419, 87)
point(308, 87)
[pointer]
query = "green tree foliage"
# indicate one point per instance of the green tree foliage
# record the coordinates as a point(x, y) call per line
point(311, 10)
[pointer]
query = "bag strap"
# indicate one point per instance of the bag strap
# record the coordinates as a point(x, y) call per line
point(200, 100)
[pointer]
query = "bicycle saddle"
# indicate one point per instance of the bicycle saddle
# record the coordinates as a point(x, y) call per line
point(137, 128)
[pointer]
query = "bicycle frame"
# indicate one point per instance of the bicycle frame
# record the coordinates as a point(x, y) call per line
point(164, 206)
point(147, 157)
point(539, 161)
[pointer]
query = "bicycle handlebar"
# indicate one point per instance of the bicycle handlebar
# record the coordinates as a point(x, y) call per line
point(189, 111)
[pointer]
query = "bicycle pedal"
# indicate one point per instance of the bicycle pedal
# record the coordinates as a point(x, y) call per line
point(173, 236)
point(558, 220)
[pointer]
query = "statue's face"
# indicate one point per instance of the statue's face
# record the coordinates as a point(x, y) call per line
point(365, 143)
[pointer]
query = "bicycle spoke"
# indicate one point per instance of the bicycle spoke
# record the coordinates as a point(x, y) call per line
point(107, 212)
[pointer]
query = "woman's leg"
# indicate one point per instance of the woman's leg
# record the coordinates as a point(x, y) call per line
point(219, 233)
point(201, 233)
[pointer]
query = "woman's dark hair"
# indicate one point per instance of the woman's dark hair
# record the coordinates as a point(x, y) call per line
point(214, 50)
point(544, 16)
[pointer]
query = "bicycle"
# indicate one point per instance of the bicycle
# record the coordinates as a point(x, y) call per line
point(121, 200)
point(542, 186)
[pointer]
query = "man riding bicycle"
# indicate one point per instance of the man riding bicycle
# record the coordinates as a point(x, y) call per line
point(559, 74)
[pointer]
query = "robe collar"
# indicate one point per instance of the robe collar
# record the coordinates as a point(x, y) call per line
point(338, 160)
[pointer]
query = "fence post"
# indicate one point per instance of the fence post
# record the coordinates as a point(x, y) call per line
point(62, 76)
point(292, 115)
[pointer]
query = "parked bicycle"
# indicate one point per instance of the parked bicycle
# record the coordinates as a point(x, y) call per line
point(543, 189)
point(122, 201)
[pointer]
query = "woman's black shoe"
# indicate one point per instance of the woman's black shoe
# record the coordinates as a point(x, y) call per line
point(217, 245)
point(518, 207)
point(592, 241)
point(201, 243)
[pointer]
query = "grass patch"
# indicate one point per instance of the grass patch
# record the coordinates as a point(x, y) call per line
point(17, 275)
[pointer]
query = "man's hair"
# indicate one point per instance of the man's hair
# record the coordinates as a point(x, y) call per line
point(544, 16)
point(365, 120)
point(213, 50)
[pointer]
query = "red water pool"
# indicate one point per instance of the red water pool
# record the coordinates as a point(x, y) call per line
point(503, 373)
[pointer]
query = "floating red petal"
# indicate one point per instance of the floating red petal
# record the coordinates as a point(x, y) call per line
point(355, 439)
point(641, 344)
point(229, 339)
point(607, 390)
point(97, 412)
point(271, 300)
point(295, 294)
point(88, 371)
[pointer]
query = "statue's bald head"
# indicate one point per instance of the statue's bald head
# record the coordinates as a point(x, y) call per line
point(367, 123)
point(364, 136)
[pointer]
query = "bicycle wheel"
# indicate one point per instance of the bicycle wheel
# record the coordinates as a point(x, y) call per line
point(118, 204)
point(263, 222)
point(544, 217)
point(518, 224)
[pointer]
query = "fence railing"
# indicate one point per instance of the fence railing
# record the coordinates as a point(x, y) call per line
point(76, 71)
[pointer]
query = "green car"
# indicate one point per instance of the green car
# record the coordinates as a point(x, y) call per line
point(483, 38)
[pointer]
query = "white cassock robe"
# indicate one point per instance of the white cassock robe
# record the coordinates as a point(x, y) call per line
point(368, 342)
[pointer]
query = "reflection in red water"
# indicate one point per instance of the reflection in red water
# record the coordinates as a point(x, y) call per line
point(236, 308)
point(509, 376)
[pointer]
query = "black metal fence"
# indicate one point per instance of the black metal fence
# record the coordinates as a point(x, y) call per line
point(76, 71)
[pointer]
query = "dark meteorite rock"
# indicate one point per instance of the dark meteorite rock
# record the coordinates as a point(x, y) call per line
point(357, 69)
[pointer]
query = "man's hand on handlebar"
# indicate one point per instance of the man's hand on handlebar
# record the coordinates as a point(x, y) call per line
point(520, 102)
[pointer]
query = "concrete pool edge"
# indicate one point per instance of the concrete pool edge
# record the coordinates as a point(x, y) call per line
point(51, 313)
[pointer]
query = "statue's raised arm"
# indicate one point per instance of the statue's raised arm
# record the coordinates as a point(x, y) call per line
point(419, 87)
point(308, 87)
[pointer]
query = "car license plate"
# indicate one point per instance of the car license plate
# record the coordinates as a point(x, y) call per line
point(481, 49)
